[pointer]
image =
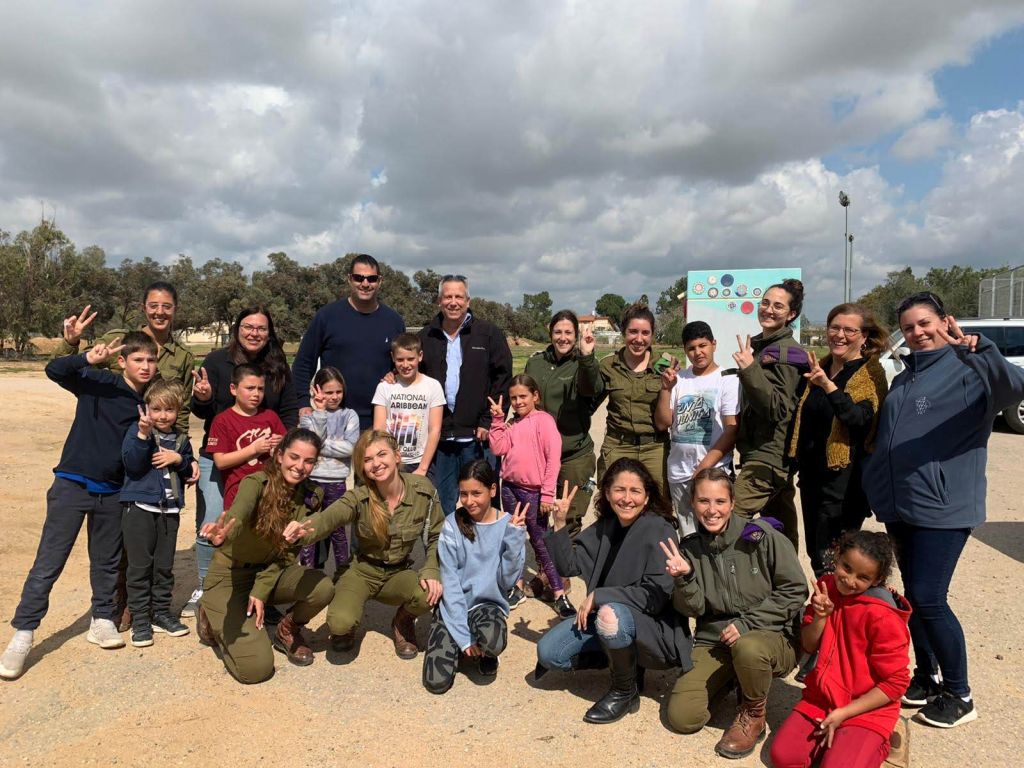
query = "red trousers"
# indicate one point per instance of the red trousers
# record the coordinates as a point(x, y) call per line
point(797, 745)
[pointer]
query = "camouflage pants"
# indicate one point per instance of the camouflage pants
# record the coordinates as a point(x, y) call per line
point(488, 629)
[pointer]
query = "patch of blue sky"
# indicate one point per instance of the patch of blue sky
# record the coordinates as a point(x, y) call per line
point(991, 80)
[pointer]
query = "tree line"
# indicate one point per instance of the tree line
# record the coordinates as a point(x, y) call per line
point(44, 277)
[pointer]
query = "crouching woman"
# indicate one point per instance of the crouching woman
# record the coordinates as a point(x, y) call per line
point(743, 584)
point(627, 615)
point(253, 565)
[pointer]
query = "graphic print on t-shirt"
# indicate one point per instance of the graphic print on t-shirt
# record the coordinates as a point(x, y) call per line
point(250, 436)
point(406, 421)
point(695, 418)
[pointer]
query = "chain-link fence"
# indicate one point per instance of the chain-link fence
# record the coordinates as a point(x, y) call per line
point(1002, 295)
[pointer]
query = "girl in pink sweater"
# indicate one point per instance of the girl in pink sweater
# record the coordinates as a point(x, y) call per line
point(532, 448)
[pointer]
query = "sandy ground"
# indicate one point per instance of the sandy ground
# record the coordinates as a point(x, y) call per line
point(173, 703)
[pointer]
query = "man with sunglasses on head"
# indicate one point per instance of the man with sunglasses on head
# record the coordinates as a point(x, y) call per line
point(472, 360)
point(354, 335)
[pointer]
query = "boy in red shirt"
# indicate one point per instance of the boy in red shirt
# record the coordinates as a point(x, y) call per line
point(243, 436)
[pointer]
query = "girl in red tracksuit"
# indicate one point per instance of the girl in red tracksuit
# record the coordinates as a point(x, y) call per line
point(858, 626)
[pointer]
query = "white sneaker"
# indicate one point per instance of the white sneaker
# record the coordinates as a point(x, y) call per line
point(103, 632)
point(13, 661)
point(189, 611)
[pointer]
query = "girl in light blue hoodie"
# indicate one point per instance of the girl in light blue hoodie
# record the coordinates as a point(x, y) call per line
point(482, 552)
point(926, 482)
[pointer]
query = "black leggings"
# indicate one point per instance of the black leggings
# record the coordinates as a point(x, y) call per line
point(489, 632)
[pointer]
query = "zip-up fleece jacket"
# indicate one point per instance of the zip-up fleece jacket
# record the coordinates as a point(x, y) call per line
point(532, 449)
point(865, 644)
point(770, 393)
point(570, 390)
point(107, 406)
point(486, 372)
point(145, 483)
point(748, 576)
point(928, 468)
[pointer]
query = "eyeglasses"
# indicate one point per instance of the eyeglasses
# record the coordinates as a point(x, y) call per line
point(450, 278)
point(835, 330)
point(255, 330)
point(371, 279)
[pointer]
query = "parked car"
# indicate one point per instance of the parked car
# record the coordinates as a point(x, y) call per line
point(1006, 333)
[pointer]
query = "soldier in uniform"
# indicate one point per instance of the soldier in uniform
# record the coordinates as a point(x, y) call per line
point(570, 388)
point(632, 385)
point(253, 565)
point(388, 512)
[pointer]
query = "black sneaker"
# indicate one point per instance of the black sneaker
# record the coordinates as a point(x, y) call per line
point(516, 597)
point(142, 634)
point(921, 691)
point(947, 710)
point(563, 607)
point(489, 666)
point(167, 624)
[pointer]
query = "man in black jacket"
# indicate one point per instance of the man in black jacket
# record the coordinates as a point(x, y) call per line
point(472, 360)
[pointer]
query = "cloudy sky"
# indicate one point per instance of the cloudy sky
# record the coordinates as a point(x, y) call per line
point(575, 147)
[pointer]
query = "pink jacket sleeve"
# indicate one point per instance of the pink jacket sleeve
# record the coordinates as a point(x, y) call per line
point(500, 437)
point(550, 440)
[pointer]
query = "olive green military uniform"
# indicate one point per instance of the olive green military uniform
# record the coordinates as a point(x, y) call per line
point(753, 582)
point(630, 430)
point(174, 361)
point(770, 393)
point(570, 390)
point(380, 570)
point(247, 565)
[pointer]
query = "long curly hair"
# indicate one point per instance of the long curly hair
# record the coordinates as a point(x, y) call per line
point(274, 510)
point(271, 358)
point(657, 504)
point(379, 512)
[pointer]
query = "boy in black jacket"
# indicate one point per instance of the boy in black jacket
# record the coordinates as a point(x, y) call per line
point(157, 464)
point(85, 488)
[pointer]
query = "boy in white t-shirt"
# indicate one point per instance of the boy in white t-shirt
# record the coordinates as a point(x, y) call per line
point(411, 409)
point(698, 406)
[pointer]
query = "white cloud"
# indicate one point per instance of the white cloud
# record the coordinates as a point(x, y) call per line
point(565, 146)
point(924, 139)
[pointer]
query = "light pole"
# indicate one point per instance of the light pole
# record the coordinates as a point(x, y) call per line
point(844, 201)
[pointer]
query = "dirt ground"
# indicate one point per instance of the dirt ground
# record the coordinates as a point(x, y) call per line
point(173, 703)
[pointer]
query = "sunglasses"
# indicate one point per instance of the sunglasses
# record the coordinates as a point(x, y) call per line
point(364, 278)
point(450, 278)
point(922, 297)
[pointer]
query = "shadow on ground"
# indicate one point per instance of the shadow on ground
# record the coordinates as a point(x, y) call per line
point(1006, 537)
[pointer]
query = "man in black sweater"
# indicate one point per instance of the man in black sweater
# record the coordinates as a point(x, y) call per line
point(86, 486)
point(472, 360)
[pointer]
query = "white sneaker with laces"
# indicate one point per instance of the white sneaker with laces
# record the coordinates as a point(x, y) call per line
point(103, 632)
point(13, 661)
point(189, 611)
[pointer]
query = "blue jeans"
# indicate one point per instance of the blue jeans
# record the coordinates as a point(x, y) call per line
point(927, 558)
point(444, 469)
point(209, 505)
point(562, 642)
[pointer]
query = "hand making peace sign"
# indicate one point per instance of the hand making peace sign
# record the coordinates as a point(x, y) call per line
point(217, 533)
point(670, 375)
point(587, 339)
point(519, 515)
point(817, 375)
point(497, 411)
point(745, 357)
point(145, 422)
point(821, 602)
point(101, 352)
point(675, 563)
point(955, 337)
point(74, 325)
point(296, 530)
point(201, 388)
point(561, 506)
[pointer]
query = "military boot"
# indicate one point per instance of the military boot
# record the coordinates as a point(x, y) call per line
point(746, 730)
point(403, 629)
point(288, 640)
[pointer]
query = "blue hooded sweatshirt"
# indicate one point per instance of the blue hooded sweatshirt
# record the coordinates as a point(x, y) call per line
point(928, 468)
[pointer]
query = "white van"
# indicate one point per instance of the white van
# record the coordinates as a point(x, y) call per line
point(1006, 333)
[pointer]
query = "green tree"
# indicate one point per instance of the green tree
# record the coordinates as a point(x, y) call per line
point(611, 305)
point(536, 311)
point(670, 312)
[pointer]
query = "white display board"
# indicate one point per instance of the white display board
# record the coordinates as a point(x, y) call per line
point(727, 299)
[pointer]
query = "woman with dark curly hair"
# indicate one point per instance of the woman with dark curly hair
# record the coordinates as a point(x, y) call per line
point(254, 341)
point(627, 615)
